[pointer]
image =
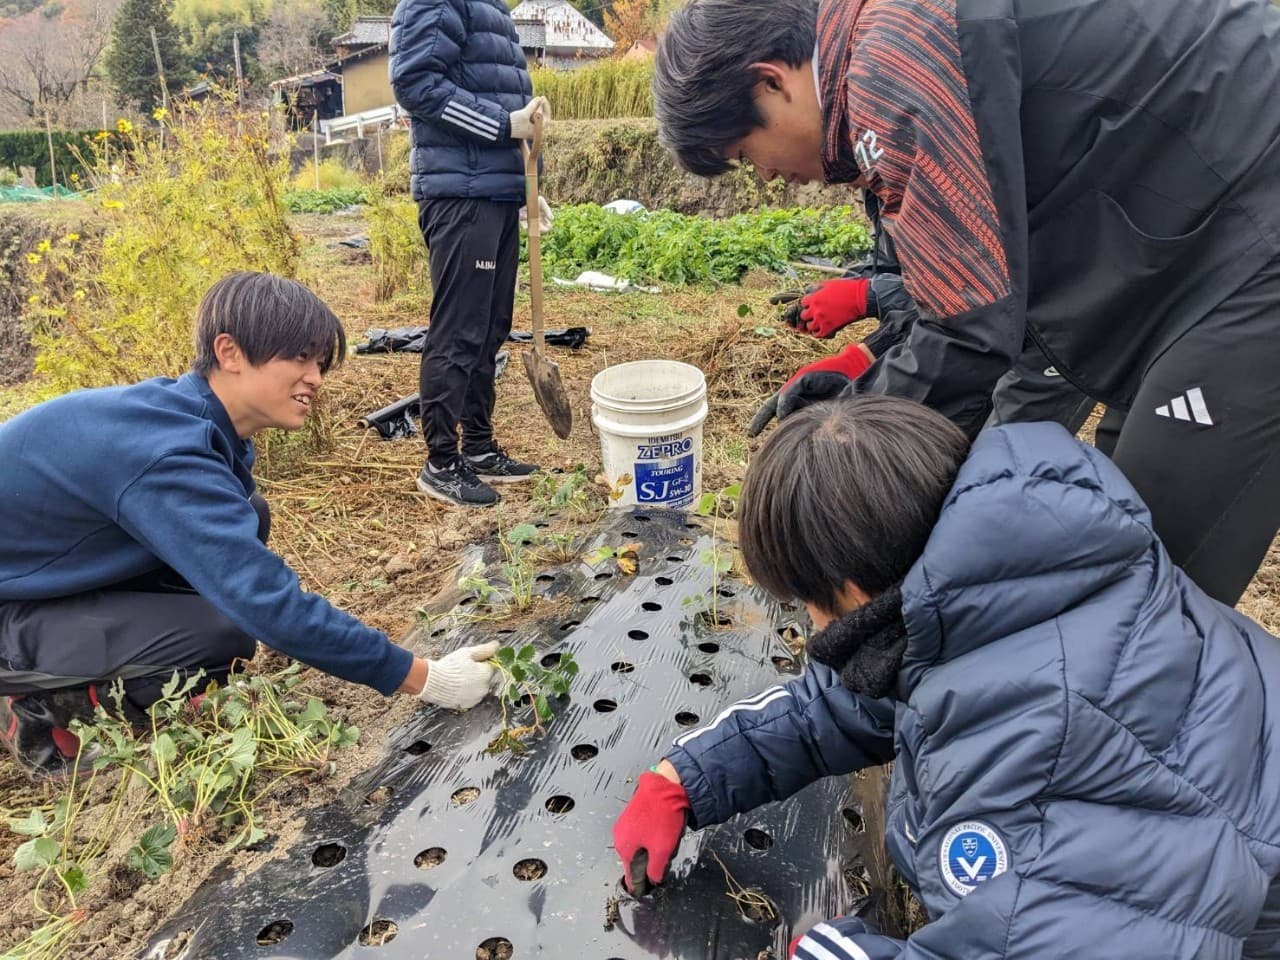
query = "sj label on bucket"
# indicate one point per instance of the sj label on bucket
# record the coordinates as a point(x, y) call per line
point(664, 471)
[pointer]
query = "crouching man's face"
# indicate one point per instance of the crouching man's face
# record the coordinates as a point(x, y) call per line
point(277, 393)
point(789, 145)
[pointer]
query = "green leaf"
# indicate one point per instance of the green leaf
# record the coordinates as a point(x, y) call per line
point(348, 736)
point(164, 749)
point(519, 673)
point(706, 505)
point(313, 713)
point(32, 825)
point(505, 656)
point(744, 309)
point(242, 750)
point(37, 854)
point(527, 652)
point(151, 854)
point(75, 879)
point(522, 532)
point(569, 668)
point(541, 707)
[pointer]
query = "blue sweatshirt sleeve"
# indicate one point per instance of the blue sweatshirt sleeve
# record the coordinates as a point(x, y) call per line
point(427, 39)
point(192, 513)
point(771, 745)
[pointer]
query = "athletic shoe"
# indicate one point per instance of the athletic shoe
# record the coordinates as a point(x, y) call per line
point(35, 728)
point(496, 467)
point(456, 483)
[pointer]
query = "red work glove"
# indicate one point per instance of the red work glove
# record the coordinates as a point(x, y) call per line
point(829, 306)
point(812, 383)
point(650, 828)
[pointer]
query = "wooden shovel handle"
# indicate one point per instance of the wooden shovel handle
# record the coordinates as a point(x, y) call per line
point(531, 153)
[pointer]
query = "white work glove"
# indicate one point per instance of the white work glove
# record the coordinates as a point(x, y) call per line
point(460, 679)
point(522, 119)
point(545, 216)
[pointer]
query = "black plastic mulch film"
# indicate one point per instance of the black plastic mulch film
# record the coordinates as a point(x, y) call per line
point(444, 852)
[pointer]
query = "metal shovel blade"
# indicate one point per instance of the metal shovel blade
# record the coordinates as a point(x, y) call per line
point(544, 376)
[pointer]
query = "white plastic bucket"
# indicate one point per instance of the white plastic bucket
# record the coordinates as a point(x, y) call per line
point(649, 415)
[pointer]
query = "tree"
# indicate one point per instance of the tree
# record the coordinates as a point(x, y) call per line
point(628, 21)
point(294, 39)
point(131, 60)
point(46, 61)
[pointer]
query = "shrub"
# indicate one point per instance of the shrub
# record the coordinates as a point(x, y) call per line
point(180, 212)
point(613, 88)
point(333, 176)
point(395, 244)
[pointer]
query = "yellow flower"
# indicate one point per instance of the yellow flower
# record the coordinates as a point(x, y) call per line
point(159, 113)
point(75, 178)
point(34, 298)
point(33, 258)
point(78, 295)
point(102, 134)
point(71, 238)
point(124, 126)
point(44, 246)
point(112, 205)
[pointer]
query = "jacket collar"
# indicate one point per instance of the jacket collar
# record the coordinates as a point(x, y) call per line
point(837, 20)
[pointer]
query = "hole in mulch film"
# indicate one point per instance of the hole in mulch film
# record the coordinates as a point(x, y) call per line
point(417, 748)
point(378, 933)
point(641, 517)
point(466, 601)
point(545, 578)
point(464, 795)
point(651, 606)
point(629, 534)
point(584, 751)
point(569, 624)
point(709, 647)
point(439, 633)
point(177, 946)
point(531, 869)
point(495, 948)
point(605, 706)
point(727, 593)
point(621, 666)
point(550, 660)
point(381, 795)
point(700, 679)
point(637, 635)
point(604, 576)
point(722, 620)
point(504, 633)
point(559, 804)
point(541, 524)
point(329, 855)
point(858, 879)
point(757, 839)
point(790, 635)
point(853, 819)
point(663, 581)
point(756, 907)
point(524, 700)
point(431, 857)
point(274, 932)
point(686, 719)
point(784, 664)
point(589, 600)
point(685, 542)
point(675, 558)
point(691, 525)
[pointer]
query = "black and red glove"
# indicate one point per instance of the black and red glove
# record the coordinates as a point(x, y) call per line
point(813, 383)
point(648, 831)
point(826, 308)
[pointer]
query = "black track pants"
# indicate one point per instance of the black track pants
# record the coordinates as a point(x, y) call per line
point(1201, 442)
point(141, 630)
point(474, 248)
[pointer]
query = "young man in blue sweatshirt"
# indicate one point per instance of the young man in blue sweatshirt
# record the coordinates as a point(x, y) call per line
point(134, 541)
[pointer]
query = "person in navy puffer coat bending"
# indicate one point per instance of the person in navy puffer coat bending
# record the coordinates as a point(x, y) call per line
point(1086, 747)
point(457, 68)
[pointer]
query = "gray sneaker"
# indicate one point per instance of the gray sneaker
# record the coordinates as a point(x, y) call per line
point(496, 467)
point(456, 483)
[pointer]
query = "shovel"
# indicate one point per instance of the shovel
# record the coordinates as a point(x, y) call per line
point(544, 374)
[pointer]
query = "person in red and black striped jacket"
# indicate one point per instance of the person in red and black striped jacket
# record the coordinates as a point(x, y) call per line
point(1098, 179)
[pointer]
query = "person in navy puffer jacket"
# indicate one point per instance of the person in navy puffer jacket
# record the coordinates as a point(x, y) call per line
point(1086, 747)
point(457, 68)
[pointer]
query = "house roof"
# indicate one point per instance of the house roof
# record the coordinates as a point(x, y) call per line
point(311, 79)
point(562, 27)
point(365, 30)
